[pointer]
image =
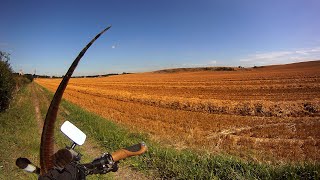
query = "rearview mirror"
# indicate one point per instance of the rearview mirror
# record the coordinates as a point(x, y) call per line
point(73, 133)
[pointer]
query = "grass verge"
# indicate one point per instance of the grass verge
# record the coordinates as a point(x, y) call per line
point(44, 98)
point(19, 136)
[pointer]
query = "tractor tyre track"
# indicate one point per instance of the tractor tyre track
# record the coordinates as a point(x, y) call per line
point(36, 105)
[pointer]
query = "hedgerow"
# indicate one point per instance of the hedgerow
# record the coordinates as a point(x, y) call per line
point(7, 83)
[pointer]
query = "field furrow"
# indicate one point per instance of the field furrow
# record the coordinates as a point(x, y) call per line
point(269, 113)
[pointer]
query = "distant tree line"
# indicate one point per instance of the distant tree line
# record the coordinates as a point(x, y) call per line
point(90, 76)
point(174, 70)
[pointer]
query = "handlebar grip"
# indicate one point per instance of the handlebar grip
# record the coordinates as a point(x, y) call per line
point(134, 150)
point(26, 165)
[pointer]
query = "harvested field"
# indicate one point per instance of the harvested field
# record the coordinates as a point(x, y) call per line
point(269, 113)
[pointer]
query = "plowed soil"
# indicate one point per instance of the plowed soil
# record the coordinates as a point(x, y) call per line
point(269, 113)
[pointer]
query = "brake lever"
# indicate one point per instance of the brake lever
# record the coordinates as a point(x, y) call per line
point(101, 165)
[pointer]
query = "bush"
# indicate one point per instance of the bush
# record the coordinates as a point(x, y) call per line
point(7, 83)
point(224, 69)
point(20, 81)
point(29, 76)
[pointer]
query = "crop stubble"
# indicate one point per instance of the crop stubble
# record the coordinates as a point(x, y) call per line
point(269, 113)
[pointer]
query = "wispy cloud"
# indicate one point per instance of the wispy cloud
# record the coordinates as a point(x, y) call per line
point(212, 62)
point(115, 45)
point(280, 57)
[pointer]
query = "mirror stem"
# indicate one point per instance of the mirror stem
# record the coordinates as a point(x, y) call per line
point(73, 145)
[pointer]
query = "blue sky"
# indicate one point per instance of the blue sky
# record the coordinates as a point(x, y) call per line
point(149, 35)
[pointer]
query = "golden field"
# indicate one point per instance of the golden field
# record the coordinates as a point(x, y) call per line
point(268, 113)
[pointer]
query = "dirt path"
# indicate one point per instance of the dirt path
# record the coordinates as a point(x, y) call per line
point(91, 147)
point(36, 105)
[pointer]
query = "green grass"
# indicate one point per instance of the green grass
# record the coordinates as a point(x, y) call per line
point(19, 136)
point(62, 141)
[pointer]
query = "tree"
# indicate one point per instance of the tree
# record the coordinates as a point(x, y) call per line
point(7, 83)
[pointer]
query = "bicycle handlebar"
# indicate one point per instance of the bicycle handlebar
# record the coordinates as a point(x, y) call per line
point(109, 162)
point(102, 165)
point(134, 150)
